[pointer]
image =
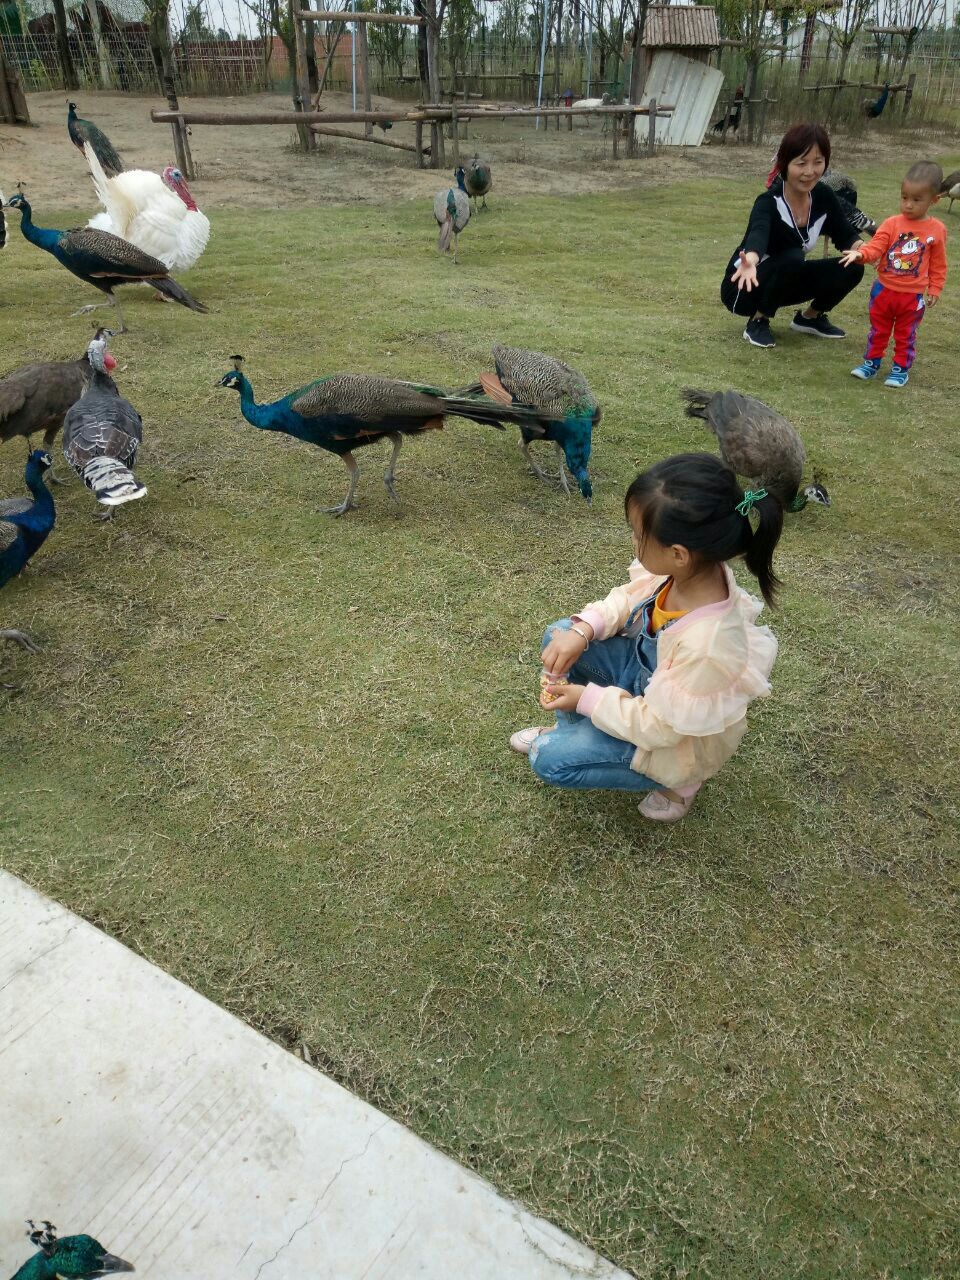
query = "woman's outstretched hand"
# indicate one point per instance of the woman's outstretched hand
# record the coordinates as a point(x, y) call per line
point(849, 256)
point(746, 273)
point(564, 649)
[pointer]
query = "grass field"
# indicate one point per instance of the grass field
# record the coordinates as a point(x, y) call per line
point(267, 749)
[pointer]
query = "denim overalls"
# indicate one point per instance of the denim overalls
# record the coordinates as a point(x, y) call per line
point(579, 755)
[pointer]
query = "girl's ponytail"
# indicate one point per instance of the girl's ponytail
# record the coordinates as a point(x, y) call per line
point(759, 553)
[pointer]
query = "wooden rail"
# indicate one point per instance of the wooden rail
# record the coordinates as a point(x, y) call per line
point(347, 15)
point(434, 114)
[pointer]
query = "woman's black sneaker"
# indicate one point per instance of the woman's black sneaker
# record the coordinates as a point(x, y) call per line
point(818, 328)
point(758, 332)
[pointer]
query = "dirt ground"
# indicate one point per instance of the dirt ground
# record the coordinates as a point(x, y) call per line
point(258, 166)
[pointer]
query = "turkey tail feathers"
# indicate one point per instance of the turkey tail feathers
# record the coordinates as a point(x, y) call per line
point(170, 289)
point(111, 482)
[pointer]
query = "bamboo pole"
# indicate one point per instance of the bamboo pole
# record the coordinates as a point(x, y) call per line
point(365, 71)
point(347, 15)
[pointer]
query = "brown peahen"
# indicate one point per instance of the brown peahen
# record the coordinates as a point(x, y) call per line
point(476, 180)
point(758, 443)
point(950, 187)
point(451, 208)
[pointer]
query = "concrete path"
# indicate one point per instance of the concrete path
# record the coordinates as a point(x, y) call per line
point(136, 1111)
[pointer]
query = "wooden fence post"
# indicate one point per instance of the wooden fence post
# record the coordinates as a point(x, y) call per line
point(761, 124)
point(301, 89)
point(454, 134)
point(616, 136)
point(418, 136)
point(652, 127)
point(365, 72)
point(908, 93)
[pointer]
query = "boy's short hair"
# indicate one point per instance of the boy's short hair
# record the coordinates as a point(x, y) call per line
point(925, 171)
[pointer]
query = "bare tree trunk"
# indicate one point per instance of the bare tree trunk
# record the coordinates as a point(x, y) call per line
point(67, 68)
point(158, 29)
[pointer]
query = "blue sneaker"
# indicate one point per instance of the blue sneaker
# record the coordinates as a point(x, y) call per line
point(869, 369)
point(898, 377)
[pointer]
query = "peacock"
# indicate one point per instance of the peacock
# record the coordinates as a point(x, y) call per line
point(102, 433)
point(102, 260)
point(845, 190)
point(82, 131)
point(950, 187)
point(70, 1258)
point(451, 208)
point(35, 397)
point(731, 120)
point(344, 411)
point(155, 212)
point(24, 526)
point(873, 107)
point(758, 443)
point(560, 403)
point(475, 181)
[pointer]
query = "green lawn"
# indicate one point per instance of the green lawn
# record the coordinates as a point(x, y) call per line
point(268, 750)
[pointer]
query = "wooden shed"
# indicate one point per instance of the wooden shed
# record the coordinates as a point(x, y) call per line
point(676, 53)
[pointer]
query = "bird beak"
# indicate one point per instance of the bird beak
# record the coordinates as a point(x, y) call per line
point(109, 1264)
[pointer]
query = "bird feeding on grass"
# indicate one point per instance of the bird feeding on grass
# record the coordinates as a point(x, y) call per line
point(451, 208)
point(558, 405)
point(24, 526)
point(102, 433)
point(102, 260)
point(69, 1258)
point(345, 411)
point(757, 443)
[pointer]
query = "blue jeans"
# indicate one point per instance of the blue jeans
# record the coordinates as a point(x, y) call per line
point(577, 754)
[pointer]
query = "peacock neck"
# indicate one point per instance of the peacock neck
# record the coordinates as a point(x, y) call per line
point(798, 503)
point(258, 415)
point(43, 237)
point(44, 500)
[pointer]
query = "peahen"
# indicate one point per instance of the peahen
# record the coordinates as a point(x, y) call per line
point(71, 1257)
point(560, 403)
point(344, 411)
point(102, 433)
point(35, 397)
point(475, 181)
point(758, 443)
point(873, 107)
point(950, 187)
point(102, 260)
point(730, 118)
point(24, 526)
point(845, 190)
point(82, 131)
point(451, 208)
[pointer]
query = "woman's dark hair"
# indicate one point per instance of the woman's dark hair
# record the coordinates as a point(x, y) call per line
point(691, 499)
point(798, 139)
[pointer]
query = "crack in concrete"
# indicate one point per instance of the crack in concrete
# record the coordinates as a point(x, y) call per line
point(322, 1196)
point(24, 967)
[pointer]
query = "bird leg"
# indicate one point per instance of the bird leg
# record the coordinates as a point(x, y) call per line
point(48, 442)
point(390, 475)
point(563, 470)
point(20, 638)
point(456, 245)
point(534, 467)
point(348, 504)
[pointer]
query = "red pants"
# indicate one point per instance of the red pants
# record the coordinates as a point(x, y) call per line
point(900, 313)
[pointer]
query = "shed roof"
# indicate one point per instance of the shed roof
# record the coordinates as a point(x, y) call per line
point(679, 26)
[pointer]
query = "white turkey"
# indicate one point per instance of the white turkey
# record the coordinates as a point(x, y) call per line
point(156, 213)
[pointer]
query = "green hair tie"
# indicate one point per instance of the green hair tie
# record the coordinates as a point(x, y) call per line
point(750, 499)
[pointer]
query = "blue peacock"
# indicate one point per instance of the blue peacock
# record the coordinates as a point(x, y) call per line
point(82, 131)
point(475, 181)
point(70, 1258)
point(451, 209)
point(560, 407)
point(24, 526)
point(101, 259)
point(344, 411)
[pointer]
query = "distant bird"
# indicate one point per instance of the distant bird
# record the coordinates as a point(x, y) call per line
point(82, 131)
point(731, 120)
point(475, 181)
point(71, 1258)
point(344, 411)
point(451, 208)
point(155, 212)
point(35, 397)
point(102, 260)
point(560, 405)
point(758, 443)
point(873, 107)
point(845, 190)
point(951, 187)
point(24, 526)
point(102, 433)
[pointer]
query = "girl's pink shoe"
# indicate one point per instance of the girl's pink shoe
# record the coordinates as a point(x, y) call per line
point(658, 808)
point(524, 739)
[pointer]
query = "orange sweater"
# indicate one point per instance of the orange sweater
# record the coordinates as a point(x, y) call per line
point(911, 254)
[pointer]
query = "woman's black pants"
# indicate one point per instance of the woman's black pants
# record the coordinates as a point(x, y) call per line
point(789, 279)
